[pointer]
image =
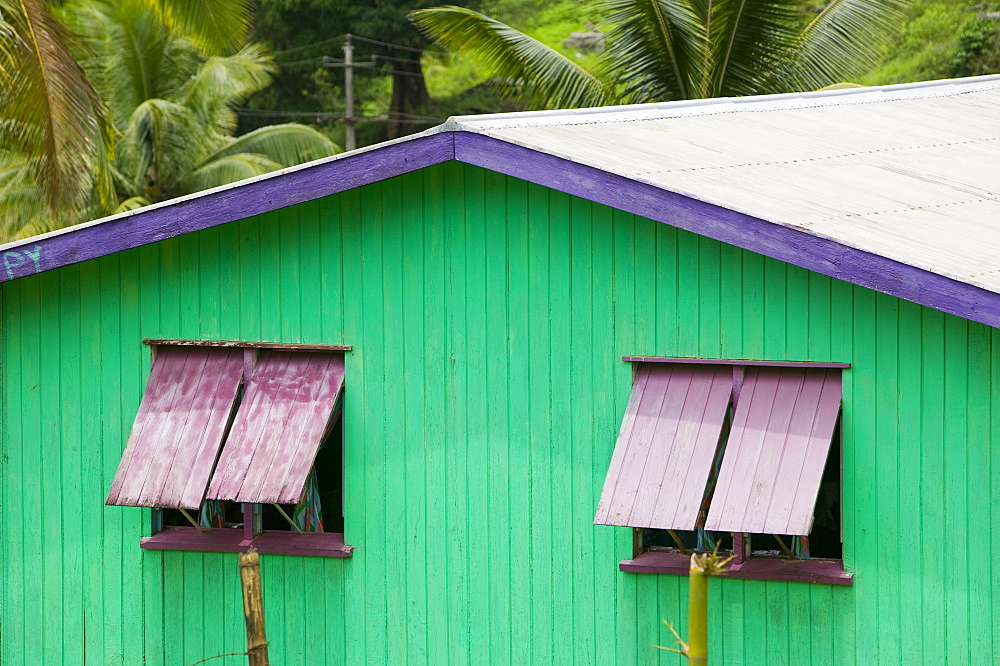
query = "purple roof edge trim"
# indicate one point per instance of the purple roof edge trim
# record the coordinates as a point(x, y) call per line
point(227, 205)
point(783, 243)
point(728, 226)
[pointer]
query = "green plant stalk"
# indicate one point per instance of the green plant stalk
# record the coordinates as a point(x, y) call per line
point(697, 643)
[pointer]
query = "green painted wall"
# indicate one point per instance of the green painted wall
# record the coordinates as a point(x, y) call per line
point(488, 318)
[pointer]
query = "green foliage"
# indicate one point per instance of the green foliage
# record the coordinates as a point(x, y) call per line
point(451, 74)
point(978, 49)
point(178, 138)
point(676, 49)
point(169, 103)
point(303, 32)
point(52, 126)
point(528, 67)
point(216, 27)
point(940, 39)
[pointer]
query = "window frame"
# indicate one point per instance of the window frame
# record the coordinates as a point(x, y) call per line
point(238, 540)
point(743, 566)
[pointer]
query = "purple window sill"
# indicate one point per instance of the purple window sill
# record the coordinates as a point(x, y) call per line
point(806, 571)
point(315, 544)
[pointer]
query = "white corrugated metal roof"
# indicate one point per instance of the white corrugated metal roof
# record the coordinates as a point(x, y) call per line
point(910, 173)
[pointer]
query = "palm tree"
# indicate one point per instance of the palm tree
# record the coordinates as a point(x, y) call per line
point(54, 130)
point(51, 118)
point(661, 50)
point(167, 110)
point(174, 110)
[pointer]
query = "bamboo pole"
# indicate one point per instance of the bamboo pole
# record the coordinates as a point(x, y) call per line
point(253, 608)
point(702, 567)
point(697, 643)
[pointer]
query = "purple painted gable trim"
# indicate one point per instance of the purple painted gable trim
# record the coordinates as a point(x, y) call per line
point(783, 243)
point(226, 205)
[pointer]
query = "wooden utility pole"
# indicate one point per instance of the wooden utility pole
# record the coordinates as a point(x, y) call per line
point(253, 608)
point(349, 140)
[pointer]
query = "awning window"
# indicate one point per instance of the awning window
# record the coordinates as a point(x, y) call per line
point(279, 427)
point(188, 406)
point(774, 460)
point(666, 446)
point(179, 428)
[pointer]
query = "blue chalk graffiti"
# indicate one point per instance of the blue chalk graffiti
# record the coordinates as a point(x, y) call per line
point(15, 259)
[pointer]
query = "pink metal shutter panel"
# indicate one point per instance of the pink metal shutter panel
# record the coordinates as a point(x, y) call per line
point(665, 447)
point(278, 428)
point(774, 460)
point(179, 428)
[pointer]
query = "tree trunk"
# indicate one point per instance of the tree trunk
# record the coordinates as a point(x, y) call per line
point(409, 92)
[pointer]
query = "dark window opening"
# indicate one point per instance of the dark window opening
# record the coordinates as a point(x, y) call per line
point(826, 540)
point(227, 515)
point(329, 467)
point(330, 473)
point(690, 540)
point(273, 521)
point(787, 546)
point(823, 542)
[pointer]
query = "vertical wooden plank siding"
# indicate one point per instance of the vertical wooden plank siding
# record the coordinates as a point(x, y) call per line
point(481, 402)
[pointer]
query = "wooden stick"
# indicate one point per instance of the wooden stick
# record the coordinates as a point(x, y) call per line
point(785, 548)
point(677, 540)
point(194, 522)
point(253, 608)
point(290, 521)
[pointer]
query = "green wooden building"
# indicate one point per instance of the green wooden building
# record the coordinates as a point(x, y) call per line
point(528, 320)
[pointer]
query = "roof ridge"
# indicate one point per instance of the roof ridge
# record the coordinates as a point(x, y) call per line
point(721, 105)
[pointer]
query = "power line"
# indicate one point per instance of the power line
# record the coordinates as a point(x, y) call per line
point(389, 44)
point(391, 58)
point(309, 46)
point(332, 62)
point(292, 63)
point(338, 38)
point(413, 115)
point(323, 116)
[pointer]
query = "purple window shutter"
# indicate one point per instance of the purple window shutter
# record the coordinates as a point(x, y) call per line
point(278, 428)
point(665, 447)
point(777, 450)
point(179, 428)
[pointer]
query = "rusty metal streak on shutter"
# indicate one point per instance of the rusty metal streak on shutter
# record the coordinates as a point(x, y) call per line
point(278, 428)
point(666, 445)
point(179, 428)
point(776, 452)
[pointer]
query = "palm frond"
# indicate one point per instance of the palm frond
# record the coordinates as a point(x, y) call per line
point(843, 41)
point(61, 115)
point(531, 70)
point(228, 169)
point(222, 82)
point(287, 145)
point(159, 145)
point(656, 49)
point(132, 203)
point(750, 42)
point(21, 203)
point(216, 26)
point(135, 56)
